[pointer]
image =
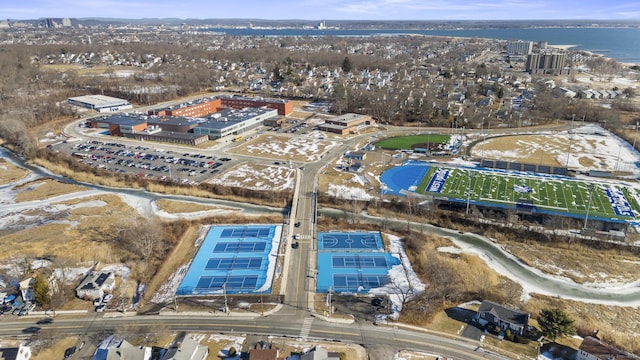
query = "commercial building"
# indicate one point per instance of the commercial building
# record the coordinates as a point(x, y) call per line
point(546, 62)
point(233, 122)
point(183, 138)
point(206, 106)
point(100, 103)
point(195, 108)
point(181, 130)
point(118, 125)
point(284, 107)
point(346, 124)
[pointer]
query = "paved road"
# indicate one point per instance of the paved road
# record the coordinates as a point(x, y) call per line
point(280, 324)
point(295, 318)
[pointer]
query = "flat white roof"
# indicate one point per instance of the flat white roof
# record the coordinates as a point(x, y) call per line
point(99, 101)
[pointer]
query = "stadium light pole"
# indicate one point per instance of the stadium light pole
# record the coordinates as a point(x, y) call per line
point(636, 137)
point(586, 217)
point(468, 189)
point(569, 151)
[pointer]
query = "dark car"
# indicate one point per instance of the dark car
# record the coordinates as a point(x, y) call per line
point(297, 224)
point(70, 351)
point(295, 245)
point(45, 321)
point(31, 330)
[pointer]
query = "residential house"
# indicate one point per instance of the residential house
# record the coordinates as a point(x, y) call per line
point(594, 349)
point(264, 351)
point(16, 353)
point(26, 289)
point(496, 314)
point(126, 351)
point(187, 349)
point(95, 285)
point(320, 354)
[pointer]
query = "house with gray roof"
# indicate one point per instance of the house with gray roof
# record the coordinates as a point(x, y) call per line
point(95, 285)
point(187, 349)
point(503, 317)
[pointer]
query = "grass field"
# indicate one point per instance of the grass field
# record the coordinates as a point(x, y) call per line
point(408, 142)
point(551, 194)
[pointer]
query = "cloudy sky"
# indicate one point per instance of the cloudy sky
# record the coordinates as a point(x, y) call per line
point(327, 9)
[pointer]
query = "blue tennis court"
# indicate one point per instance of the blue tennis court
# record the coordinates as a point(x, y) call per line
point(338, 241)
point(353, 272)
point(235, 259)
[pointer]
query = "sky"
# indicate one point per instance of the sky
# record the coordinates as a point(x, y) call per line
point(326, 9)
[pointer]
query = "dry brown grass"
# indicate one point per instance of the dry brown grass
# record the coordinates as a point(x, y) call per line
point(176, 207)
point(182, 253)
point(617, 325)
point(576, 261)
point(44, 189)
point(89, 240)
point(10, 173)
point(82, 176)
point(56, 349)
point(219, 343)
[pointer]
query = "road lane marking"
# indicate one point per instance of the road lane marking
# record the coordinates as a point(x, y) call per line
point(306, 327)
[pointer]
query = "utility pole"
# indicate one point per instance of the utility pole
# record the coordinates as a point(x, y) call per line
point(261, 304)
point(224, 292)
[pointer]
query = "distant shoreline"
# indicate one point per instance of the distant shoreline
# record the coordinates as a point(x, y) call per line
point(619, 43)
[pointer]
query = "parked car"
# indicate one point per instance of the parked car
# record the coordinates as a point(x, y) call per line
point(70, 351)
point(97, 301)
point(100, 308)
point(106, 298)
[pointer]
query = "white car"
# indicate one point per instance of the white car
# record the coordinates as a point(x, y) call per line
point(296, 237)
point(106, 298)
point(97, 301)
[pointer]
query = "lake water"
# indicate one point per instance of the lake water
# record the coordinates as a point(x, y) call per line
point(622, 44)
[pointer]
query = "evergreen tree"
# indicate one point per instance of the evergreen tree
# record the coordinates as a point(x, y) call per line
point(347, 66)
point(41, 291)
point(555, 323)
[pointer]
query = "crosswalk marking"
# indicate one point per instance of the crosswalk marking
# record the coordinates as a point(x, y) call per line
point(306, 237)
point(306, 327)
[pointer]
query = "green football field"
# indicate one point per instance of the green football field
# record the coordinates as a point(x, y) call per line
point(545, 193)
point(407, 142)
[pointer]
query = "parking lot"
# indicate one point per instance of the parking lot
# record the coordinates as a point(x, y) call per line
point(146, 162)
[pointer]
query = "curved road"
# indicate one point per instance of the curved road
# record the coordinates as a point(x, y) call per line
point(296, 317)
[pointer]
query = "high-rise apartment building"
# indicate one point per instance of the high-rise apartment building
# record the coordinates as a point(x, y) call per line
point(519, 47)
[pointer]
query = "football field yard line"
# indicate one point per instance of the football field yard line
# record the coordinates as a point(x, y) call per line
point(561, 194)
